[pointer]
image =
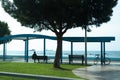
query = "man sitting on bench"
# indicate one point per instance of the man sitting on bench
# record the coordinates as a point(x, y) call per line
point(34, 57)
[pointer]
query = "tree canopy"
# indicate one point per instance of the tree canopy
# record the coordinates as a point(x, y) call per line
point(55, 13)
point(59, 15)
point(4, 31)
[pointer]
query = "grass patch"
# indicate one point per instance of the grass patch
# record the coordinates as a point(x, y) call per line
point(39, 69)
point(13, 78)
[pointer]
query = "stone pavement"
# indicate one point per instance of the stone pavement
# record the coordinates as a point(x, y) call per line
point(99, 72)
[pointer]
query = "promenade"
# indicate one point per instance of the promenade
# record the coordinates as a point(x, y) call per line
point(99, 72)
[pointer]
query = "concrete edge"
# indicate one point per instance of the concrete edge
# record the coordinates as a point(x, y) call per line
point(33, 76)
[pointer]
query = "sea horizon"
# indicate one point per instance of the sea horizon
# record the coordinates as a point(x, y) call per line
point(114, 55)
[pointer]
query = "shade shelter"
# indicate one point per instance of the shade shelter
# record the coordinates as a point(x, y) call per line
point(27, 37)
point(101, 40)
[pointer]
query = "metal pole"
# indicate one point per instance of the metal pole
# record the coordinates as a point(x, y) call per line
point(85, 39)
point(62, 53)
point(26, 49)
point(44, 51)
point(71, 52)
point(101, 53)
point(4, 51)
point(71, 48)
point(104, 51)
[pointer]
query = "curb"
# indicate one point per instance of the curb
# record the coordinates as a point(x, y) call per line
point(42, 77)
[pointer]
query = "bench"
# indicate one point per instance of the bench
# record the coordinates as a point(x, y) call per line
point(76, 57)
point(45, 58)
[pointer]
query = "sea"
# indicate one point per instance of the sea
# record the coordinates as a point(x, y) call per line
point(113, 55)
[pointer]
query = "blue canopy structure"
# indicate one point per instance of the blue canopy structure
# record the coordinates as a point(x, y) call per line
point(27, 37)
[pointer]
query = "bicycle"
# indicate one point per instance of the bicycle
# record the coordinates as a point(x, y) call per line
point(105, 61)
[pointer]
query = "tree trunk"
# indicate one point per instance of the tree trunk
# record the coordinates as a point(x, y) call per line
point(58, 51)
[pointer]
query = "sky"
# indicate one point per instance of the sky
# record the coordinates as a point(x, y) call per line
point(111, 28)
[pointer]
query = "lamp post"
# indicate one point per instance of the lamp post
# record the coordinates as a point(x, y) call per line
point(87, 29)
point(85, 40)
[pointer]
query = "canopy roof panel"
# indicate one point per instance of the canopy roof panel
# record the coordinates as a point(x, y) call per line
point(89, 39)
point(70, 39)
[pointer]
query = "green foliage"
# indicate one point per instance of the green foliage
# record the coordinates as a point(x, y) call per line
point(56, 14)
point(4, 31)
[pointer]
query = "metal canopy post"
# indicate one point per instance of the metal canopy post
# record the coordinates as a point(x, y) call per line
point(26, 50)
point(44, 48)
point(61, 56)
point(4, 51)
point(102, 53)
point(71, 48)
point(71, 51)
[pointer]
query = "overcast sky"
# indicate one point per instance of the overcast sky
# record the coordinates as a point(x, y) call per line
point(111, 28)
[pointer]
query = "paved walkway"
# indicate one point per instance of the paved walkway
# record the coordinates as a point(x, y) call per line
point(98, 72)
